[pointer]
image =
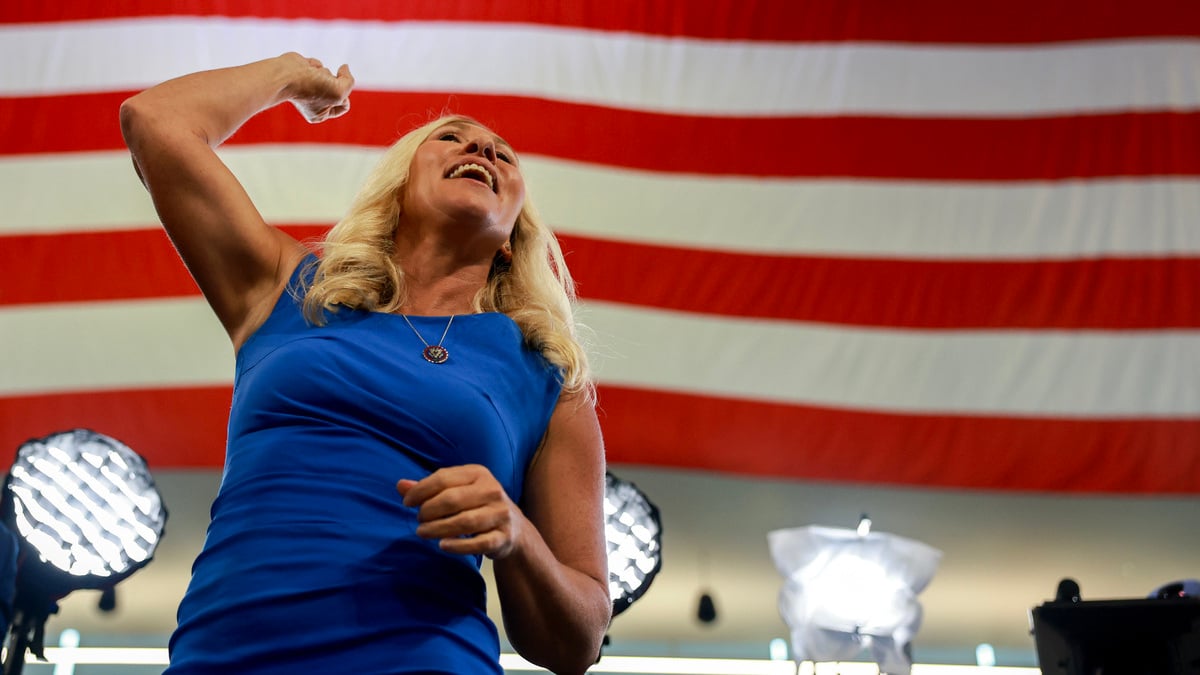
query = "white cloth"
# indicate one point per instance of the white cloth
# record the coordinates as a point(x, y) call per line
point(844, 593)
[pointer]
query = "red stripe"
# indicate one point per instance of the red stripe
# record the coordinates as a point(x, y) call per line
point(1149, 293)
point(945, 21)
point(171, 428)
point(97, 266)
point(923, 294)
point(1044, 148)
point(755, 438)
point(185, 428)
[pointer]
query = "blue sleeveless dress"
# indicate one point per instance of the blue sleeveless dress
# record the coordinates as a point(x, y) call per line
point(311, 563)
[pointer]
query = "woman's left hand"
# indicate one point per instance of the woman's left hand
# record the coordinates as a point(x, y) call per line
point(467, 509)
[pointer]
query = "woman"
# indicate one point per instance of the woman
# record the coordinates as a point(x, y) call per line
point(409, 403)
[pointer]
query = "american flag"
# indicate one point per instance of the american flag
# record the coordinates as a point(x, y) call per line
point(919, 243)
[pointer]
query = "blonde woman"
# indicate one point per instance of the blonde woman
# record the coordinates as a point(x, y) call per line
point(411, 401)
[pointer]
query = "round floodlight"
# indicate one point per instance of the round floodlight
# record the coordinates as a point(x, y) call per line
point(86, 505)
point(634, 533)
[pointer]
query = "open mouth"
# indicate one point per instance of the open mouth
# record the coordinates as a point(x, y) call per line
point(474, 171)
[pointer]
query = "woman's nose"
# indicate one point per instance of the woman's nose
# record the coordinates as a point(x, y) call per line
point(482, 147)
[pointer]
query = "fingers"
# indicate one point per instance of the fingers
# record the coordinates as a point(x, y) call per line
point(465, 508)
point(340, 109)
point(316, 92)
point(334, 111)
point(344, 80)
point(491, 544)
point(472, 534)
point(404, 485)
point(343, 76)
point(451, 501)
point(464, 523)
point(418, 492)
point(322, 114)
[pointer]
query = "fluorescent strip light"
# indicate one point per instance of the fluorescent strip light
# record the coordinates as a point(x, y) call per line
point(859, 668)
point(660, 665)
point(650, 665)
point(109, 656)
point(932, 669)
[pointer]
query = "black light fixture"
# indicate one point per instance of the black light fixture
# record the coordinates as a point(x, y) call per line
point(706, 607)
point(634, 532)
point(1158, 634)
point(706, 610)
point(86, 513)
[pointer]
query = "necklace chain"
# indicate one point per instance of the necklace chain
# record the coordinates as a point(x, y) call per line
point(432, 353)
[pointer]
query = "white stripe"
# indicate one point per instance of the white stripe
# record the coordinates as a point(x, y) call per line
point(104, 193)
point(298, 184)
point(85, 346)
point(955, 220)
point(625, 70)
point(307, 184)
point(1086, 374)
point(1080, 373)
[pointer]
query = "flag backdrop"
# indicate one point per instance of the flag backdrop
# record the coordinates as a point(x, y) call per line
point(927, 243)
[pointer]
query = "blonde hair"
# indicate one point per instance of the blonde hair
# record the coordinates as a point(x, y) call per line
point(357, 270)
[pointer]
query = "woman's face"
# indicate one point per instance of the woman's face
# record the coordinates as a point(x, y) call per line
point(464, 174)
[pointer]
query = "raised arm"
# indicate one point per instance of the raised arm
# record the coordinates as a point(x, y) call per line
point(173, 129)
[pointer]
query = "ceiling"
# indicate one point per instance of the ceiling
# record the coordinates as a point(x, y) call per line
point(1003, 554)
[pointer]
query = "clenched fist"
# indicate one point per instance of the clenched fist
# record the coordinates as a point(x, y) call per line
point(467, 509)
point(316, 92)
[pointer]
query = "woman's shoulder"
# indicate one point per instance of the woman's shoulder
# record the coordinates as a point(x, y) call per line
point(502, 338)
point(302, 275)
point(286, 313)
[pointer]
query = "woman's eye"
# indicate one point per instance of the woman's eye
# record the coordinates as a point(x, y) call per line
point(448, 136)
point(504, 157)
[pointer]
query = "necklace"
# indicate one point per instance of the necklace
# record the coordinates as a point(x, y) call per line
point(432, 353)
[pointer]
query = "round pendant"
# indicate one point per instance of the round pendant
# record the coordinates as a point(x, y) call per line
point(435, 354)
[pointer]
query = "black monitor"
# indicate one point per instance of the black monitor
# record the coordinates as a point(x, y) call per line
point(1157, 636)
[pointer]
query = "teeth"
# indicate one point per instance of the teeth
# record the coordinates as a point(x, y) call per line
point(475, 170)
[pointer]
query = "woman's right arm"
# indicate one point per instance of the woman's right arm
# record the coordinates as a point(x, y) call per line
point(240, 263)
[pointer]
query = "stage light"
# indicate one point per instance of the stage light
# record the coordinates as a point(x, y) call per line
point(87, 515)
point(634, 533)
point(845, 592)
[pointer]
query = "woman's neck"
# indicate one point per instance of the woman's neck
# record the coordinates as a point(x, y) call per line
point(440, 284)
